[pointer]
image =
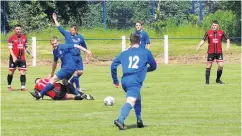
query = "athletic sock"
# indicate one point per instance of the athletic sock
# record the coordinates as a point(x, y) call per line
point(48, 87)
point(10, 78)
point(72, 88)
point(219, 74)
point(207, 74)
point(124, 112)
point(137, 109)
point(76, 81)
point(23, 81)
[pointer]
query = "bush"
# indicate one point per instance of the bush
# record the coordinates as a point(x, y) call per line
point(227, 21)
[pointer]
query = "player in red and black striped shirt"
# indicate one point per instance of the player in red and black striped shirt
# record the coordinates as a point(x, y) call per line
point(214, 36)
point(17, 44)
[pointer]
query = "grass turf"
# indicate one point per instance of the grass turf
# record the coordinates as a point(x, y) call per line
point(175, 102)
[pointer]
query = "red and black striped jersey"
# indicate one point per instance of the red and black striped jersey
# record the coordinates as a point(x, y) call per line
point(18, 45)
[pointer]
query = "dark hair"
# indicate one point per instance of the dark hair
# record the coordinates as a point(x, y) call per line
point(134, 38)
point(74, 26)
point(17, 25)
point(215, 22)
point(140, 22)
point(36, 80)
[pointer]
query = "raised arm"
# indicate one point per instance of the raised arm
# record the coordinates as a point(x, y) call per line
point(54, 16)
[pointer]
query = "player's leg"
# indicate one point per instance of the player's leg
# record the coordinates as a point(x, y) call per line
point(70, 87)
point(22, 68)
point(78, 73)
point(131, 97)
point(12, 68)
point(137, 109)
point(210, 59)
point(220, 68)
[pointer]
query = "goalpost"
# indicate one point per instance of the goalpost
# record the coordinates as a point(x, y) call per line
point(34, 51)
point(123, 48)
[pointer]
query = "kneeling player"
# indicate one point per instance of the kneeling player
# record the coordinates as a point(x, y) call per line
point(59, 92)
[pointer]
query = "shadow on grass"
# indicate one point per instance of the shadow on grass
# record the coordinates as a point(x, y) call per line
point(132, 126)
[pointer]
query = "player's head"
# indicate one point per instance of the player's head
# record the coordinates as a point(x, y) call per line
point(17, 29)
point(215, 25)
point(134, 39)
point(138, 25)
point(54, 41)
point(37, 80)
point(73, 29)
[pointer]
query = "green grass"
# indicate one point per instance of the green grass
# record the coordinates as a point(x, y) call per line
point(176, 102)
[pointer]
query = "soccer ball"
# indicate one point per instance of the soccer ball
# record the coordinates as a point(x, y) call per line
point(109, 101)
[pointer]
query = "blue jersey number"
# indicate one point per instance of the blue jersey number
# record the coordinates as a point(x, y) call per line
point(133, 62)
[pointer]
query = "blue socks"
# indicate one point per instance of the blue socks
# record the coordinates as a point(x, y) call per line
point(72, 88)
point(75, 80)
point(124, 112)
point(48, 87)
point(137, 109)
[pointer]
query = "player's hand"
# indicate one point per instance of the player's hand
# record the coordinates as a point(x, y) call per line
point(116, 85)
point(54, 16)
point(49, 76)
point(89, 52)
point(14, 59)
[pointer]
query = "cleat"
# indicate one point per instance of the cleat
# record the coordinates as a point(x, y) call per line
point(24, 89)
point(87, 97)
point(140, 124)
point(10, 89)
point(35, 95)
point(219, 82)
point(119, 124)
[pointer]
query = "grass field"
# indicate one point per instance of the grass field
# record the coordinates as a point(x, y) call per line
point(175, 102)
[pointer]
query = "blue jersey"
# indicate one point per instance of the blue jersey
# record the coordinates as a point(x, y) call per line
point(63, 53)
point(144, 38)
point(134, 63)
point(73, 39)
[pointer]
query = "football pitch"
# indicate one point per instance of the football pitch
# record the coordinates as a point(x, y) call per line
point(175, 102)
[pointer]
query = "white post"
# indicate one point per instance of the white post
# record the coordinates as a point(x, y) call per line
point(123, 43)
point(166, 49)
point(34, 51)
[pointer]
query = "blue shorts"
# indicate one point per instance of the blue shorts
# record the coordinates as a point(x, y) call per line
point(79, 63)
point(131, 86)
point(65, 73)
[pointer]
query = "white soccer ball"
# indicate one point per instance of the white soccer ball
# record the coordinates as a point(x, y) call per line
point(109, 101)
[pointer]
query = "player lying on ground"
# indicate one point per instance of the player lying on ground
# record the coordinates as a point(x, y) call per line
point(134, 65)
point(59, 92)
point(68, 65)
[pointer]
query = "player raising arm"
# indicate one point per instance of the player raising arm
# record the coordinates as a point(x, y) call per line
point(214, 36)
point(73, 37)
point(134, 65)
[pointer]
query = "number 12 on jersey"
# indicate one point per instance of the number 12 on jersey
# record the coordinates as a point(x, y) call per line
point(133, 62)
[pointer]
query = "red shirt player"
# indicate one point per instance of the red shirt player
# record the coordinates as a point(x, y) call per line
point(214, 37)
point(59, 92)
point(17, 44)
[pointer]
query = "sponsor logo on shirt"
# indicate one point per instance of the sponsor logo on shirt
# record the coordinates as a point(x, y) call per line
point(215, 40)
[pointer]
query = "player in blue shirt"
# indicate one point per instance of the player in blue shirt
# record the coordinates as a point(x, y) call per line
point(134, 66)
point(68, 64)
point(144, 37)
point(73, 37)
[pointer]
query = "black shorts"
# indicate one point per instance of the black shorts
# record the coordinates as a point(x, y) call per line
point(215, 56)
point(61, 94)
point(21, 64)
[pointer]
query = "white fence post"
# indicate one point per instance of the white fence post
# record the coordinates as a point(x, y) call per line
point(166, 49)
point(123, 43)
point(34, 51)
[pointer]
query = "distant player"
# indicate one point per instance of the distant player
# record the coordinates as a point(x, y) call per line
point(214, 36)
point(17, 44)
point(134, 65)
point(73, 37)
point(59, 92)
point(68, 64)
point(144, 37)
